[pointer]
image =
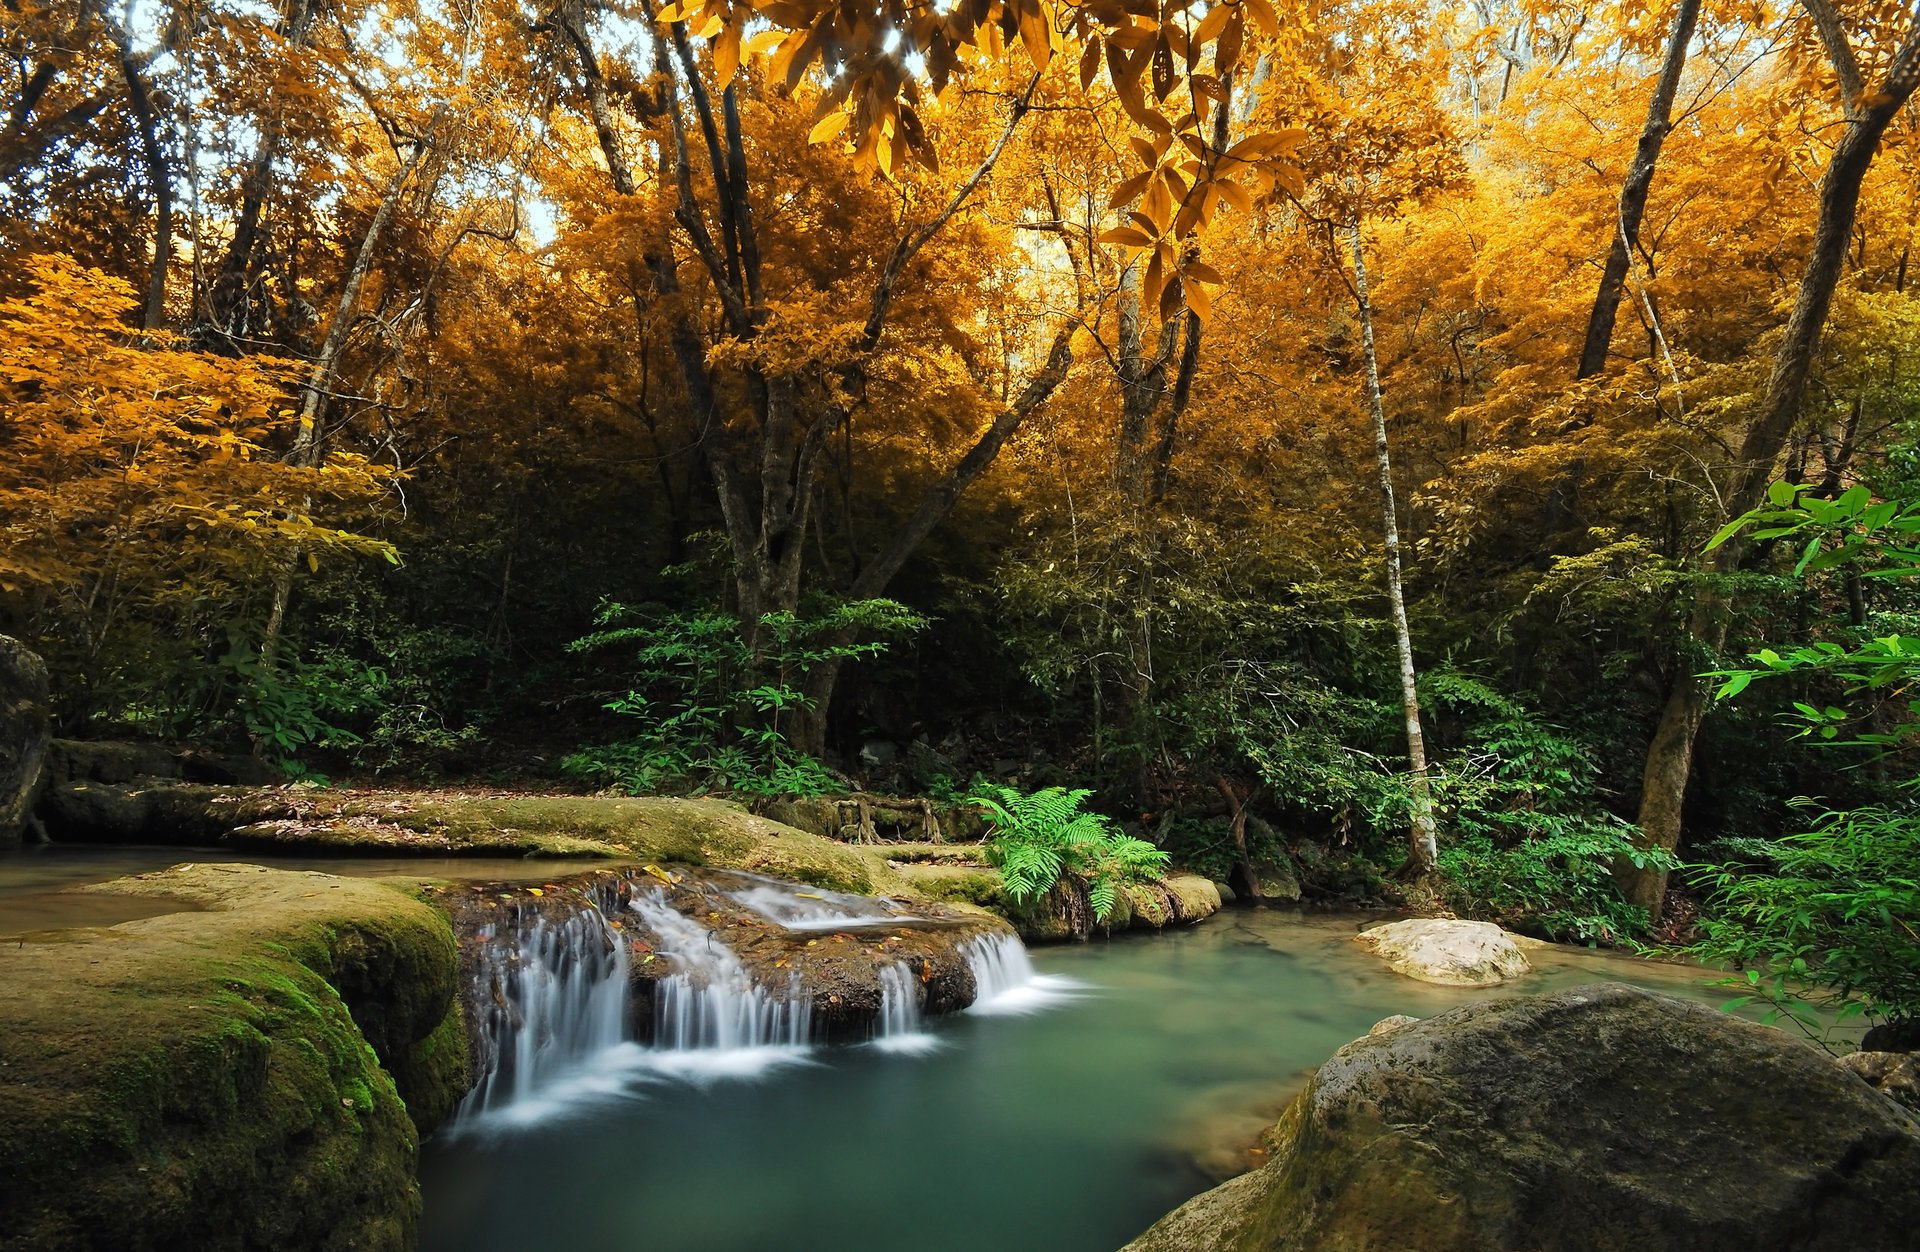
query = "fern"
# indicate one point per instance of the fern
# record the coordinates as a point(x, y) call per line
point(1040, 835)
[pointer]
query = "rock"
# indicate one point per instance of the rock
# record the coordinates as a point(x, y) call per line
point(1387, 1025)
point(1893, 1037)
point(1895, 1075)
point(253, 1073)
point(1600, 1118)
point(1274, 883)
point(1065, 912)
point(109, 761)
point(1451, 953)
point(23, 735)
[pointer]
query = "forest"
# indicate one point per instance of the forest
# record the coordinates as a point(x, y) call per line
point(1458, 459)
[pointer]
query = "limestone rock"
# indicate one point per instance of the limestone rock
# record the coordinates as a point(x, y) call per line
point(1895, 1075)
point(1451, 953)
point(252, 1073)
point(1588, 1120)
point(23, 734)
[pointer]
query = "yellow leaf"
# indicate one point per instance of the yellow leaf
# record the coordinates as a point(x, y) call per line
point(828, 126)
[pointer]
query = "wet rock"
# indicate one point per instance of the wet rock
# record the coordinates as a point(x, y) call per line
point(1895, 1075)
point(1589, 1120)
point(23, 734)
point(1451, 953)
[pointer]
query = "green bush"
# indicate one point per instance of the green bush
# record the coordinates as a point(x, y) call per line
point(716, 714)
point(1829, 917)
point(1039, 836)
point(1527, 840)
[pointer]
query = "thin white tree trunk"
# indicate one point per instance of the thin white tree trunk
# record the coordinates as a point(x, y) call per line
point(1423, 841)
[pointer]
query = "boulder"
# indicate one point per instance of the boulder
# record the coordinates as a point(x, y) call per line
point(1895, 1075)
point(1451, 953)
point(254, 1071)
point(23, 734)
point(1599, 1118)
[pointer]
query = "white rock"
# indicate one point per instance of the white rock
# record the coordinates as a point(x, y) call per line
point(1452, 953)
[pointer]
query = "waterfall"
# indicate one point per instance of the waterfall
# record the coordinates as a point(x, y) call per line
point(550, 989)
point(710, 1015)
point(898, 1028)
point(550, 999)
point(1005, 983)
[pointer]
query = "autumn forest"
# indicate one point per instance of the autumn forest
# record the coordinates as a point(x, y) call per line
point(1462, 458)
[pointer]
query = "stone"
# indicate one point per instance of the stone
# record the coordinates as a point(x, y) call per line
point(1895, 1075)
point(24, 731)
point(1903, 1036)
point(1387, 1025)
point(1451, 953)
point(254, 1071)
point(1589, 1120)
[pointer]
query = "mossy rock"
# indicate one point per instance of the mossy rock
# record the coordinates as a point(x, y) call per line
point(1598, 1118)
point(225, 1077)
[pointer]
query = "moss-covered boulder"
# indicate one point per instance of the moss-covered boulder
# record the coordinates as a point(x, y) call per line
point(252, 1072)
point(1594, 1119)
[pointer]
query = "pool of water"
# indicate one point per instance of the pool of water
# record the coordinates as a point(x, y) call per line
point(1068, 1129)
point(35, 902)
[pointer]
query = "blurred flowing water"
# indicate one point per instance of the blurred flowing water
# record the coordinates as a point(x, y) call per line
point(1086, 1096)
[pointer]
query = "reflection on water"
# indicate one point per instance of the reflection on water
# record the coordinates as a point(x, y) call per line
point(33, 880)
point(1071, 1128)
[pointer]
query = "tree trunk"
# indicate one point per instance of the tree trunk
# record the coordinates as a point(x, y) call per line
point(154, 156)
point(309, 448)
point(1670, 756)
point(1422, 835)
point(1633, 192)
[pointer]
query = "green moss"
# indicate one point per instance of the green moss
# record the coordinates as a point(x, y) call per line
point(202, 1079)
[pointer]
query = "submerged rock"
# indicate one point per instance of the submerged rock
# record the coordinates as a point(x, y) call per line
point(251, 1072)
point(1600, 1118)
point(1451, 953)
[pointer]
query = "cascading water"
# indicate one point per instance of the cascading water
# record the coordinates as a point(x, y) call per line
point(898, 1028)
point(1005, 983)
point(711, 1009)
point(551, 998)
point(552, 984)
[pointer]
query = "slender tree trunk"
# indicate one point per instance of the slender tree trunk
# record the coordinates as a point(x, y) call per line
point(1633, 193)
point(153, 155)
point(1422, 836)
point(1670, 755)
point(309, 448)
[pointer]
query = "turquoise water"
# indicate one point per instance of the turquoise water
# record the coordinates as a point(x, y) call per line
point(1073, 1128)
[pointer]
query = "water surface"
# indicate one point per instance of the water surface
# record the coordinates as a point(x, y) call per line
point(1068, 1129)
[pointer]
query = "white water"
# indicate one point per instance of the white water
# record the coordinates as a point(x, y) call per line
point(1005, 982)
point(711, 1004)
point(788, 906)
point(899, 1026)
point(554, 1005)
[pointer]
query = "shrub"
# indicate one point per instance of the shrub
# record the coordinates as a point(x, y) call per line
point(1039, 836)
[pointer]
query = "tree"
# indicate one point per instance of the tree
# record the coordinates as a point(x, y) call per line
point(1867, 110)
point(140, 496)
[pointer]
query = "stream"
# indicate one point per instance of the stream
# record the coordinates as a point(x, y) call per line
point(1066, 1114)
point(1089, 1094)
